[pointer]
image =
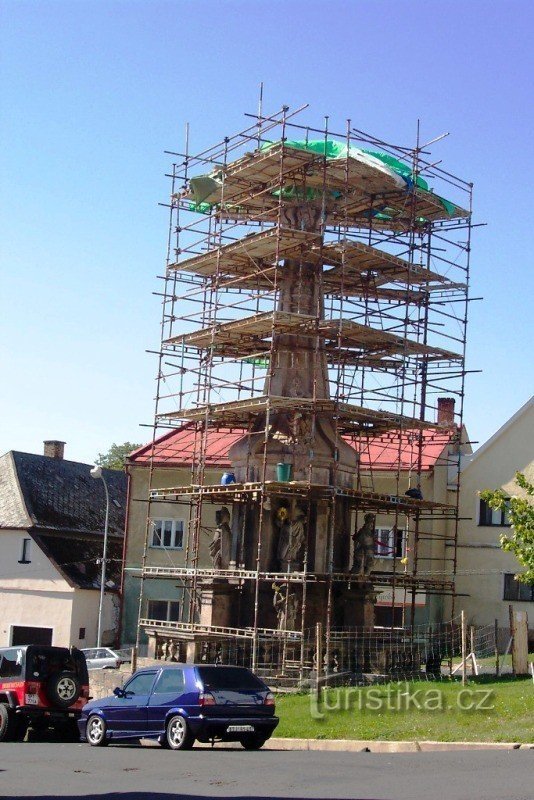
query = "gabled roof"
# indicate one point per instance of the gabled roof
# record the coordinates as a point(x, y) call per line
point(391, 450)
point(502, 430)
point(61, 495)
point(63, 509)
point(77, 557)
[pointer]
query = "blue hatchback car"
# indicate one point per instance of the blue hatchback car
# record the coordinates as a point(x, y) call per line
point(179, 704)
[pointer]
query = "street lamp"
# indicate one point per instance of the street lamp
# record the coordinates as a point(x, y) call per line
point(96, 473)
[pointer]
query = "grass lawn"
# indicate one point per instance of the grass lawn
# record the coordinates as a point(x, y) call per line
point(502, 711)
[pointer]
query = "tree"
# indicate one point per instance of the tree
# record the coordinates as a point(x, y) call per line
point(521, 516)
point(116, 455)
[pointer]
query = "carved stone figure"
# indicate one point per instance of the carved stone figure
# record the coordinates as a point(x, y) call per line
point(221, 543)
point(291, 537)
point(286, 607)
point(364, 546)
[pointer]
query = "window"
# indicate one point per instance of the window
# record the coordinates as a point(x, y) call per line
point(389, 542)
point(81, 634)
point(488, 516)
point(25, 553)
point(388, 617)
point(229, 678)
point(141, 684)
point(168, 533)
point(170, 680)
point(22, 634)
point(515, 590)
point(164, 610)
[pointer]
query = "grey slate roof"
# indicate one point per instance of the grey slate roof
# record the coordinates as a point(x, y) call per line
point(63, 509)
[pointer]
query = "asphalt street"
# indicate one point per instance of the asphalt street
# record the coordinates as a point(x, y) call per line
point(46, 770)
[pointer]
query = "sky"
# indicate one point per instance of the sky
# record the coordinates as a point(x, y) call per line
point(93, 93)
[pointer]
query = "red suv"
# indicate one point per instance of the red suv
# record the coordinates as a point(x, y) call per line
point(43, 687)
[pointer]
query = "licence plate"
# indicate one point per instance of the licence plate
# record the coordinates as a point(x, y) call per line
point(240, 729)
point(32, 700)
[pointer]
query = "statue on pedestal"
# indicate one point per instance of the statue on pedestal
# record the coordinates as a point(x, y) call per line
point(286, 607)
point(291, 537)
point(363, 556)
point(221, 543)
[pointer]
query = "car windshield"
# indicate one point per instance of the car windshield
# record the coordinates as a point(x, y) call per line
point(229, 678)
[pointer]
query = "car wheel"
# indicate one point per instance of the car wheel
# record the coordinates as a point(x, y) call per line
point(63, 689)
point(178, 735)
point(253, 742)
point(95, 731)
point(7, 723)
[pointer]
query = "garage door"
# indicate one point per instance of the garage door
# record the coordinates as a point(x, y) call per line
point(25, 635)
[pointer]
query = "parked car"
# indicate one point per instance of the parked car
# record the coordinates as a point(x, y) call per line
point(105, 657)
point(41, 686)
point(179, 704)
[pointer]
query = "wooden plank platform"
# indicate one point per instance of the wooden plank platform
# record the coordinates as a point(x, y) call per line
point(378, 577)
point(364, 500)
point(249, 182)
point(349, 418)
point(244, 256)
point(248, 335)
point(356, 267)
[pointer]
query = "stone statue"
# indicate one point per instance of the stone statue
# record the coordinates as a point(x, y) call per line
point(291, 612)
point(363, 556)
point(291, 537)
point(221, 543)
point(279, 600)
point(286, 607)
point(297, 536)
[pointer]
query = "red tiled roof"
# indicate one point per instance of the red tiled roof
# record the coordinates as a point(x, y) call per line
point(391, 449)
point(179, 447)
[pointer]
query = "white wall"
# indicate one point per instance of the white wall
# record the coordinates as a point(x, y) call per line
point(37, 595)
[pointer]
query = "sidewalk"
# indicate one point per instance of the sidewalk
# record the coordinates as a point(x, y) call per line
point(374, 746)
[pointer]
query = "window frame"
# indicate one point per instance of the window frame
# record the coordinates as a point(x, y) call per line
point(136, 677)
point(174, 532)
point(510, 583)
point(25, 556)
point(167, 690)
point(169, 603)
point(392, 542)
point(485, 515)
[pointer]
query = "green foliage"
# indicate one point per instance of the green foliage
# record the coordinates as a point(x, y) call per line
point(116, 455)
point(521, 516)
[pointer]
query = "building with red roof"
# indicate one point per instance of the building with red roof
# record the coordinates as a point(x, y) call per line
point(389, 463)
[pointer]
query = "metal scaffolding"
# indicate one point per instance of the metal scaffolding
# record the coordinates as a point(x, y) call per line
point(379, 277)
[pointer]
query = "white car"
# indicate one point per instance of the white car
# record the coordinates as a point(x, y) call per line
point(104, 658)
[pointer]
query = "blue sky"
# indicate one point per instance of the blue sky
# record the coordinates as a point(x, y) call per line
point(94, 92)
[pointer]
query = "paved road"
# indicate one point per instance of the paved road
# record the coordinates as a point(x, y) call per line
point(40, 770)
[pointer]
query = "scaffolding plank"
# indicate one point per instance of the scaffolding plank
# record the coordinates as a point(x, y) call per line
point(239, 412)
point(355, 260)
point(247, 184)
point(247, 335)
point(357, 267)
point(242, 257)
point(360, 498)
point(379, 577)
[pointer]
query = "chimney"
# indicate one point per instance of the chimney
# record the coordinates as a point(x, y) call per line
point(54, 449)
point(445, 411)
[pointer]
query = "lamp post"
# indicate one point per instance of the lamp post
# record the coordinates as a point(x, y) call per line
point(96, 473)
